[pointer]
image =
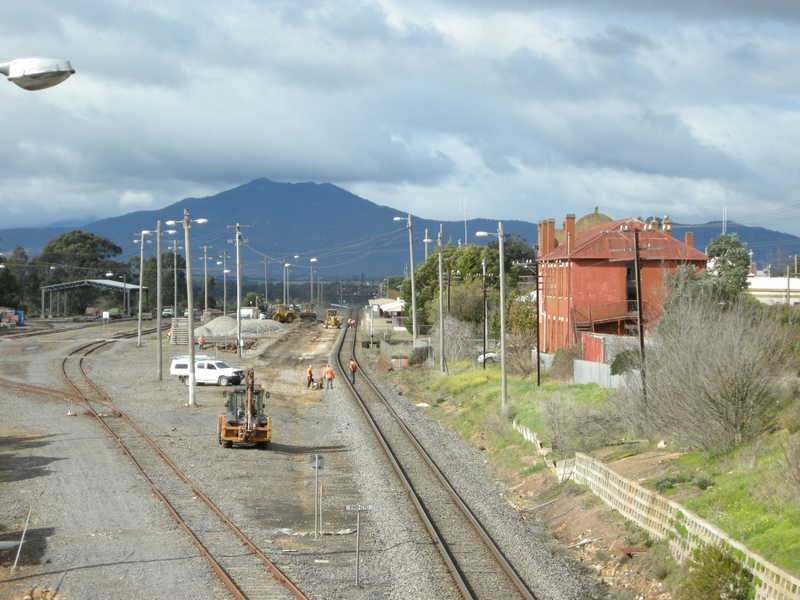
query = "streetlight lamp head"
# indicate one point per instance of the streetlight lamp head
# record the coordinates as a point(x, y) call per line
point(201, 221)
point(36, 73)
point(172, 223)
point(171, 231)
point(109, 274)
point(312, 260)
point(146, 232)
point(399, 219)
point(481, 234)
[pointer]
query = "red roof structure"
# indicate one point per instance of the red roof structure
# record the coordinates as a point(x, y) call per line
point(587, 275)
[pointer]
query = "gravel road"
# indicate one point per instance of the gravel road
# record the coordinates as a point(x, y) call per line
point(96, 529)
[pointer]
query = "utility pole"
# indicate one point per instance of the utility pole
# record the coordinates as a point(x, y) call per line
point(266, 285)
point(441, 307)
point(638, 267)
point(238, 241)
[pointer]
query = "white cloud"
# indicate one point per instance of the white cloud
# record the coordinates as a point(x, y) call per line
point(528, 109)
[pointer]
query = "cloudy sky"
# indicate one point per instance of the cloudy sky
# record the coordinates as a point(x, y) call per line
point(524, 109)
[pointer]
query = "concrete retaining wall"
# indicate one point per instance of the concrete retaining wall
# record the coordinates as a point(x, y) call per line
point(599, 373)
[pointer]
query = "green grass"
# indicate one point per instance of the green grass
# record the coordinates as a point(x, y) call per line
point(745, 498)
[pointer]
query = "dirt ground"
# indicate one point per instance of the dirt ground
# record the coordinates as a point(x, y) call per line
point(590, 530)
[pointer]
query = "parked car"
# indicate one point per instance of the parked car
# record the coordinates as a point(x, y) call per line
point(207, 370)
point(167, 313)
point(489, 358)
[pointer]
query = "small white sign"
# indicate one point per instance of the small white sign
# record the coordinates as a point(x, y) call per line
point(359, 507)
point(106, 315)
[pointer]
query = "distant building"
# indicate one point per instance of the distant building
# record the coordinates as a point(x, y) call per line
point(588, 276)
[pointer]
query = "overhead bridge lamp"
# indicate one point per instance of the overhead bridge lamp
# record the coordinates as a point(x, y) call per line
point(36, 73)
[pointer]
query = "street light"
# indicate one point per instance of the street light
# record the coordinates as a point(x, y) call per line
point(124, 290)
point(175, 248)
point(187, 227)
point(311, 278)
point(141, 241)
point(205, 280)
point(285, 282)
point(238, 241)
point(414, 330)
point(427, 241)
point(36, 73)
point(159, 302)
point(503, 386)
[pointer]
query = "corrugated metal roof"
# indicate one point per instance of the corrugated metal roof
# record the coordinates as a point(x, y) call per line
point(615, 241)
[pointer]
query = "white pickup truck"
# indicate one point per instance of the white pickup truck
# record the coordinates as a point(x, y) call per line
point(207, 369)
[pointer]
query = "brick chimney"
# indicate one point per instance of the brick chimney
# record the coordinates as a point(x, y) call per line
point(540, 238)
point(569, 232)
point(688, 239)
point(551, 235)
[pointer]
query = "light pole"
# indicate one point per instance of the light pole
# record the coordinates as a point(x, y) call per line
point(205, 280)
point(483, 269)
point(286, 266)
point(311, 278)
point(427, 241)
point(266, 285)
point(175, 248)
point(503, 386)
point(159, 303)
point(238, 241)
point(36, 73)
point(187, 227)
point(225, 271)
point(141, 241)
point(414, 330)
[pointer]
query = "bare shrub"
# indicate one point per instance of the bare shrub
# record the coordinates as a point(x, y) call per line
point(789, 466)
point(563, 369)
point(711, 375)
point(572, 427)
point(519, 358)
point(457, 339)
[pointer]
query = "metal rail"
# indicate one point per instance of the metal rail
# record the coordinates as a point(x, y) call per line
point(224, 577)
point(442, 546)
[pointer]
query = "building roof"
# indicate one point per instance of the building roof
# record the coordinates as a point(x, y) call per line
point(614, 241)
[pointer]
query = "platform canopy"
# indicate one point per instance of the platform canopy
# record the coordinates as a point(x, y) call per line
point(106, 284)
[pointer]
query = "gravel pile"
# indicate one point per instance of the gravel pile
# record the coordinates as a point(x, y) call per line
point(226, 327)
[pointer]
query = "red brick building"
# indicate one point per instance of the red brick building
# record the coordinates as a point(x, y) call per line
point(588, 276)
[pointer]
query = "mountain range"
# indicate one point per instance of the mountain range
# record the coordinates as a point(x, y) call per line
point(351, 237)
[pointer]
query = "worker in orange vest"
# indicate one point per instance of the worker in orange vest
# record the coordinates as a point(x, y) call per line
point(353, 371)
point(327, 375)
point(309, 376)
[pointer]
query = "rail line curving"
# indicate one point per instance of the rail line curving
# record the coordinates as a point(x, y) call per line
point(217, 538)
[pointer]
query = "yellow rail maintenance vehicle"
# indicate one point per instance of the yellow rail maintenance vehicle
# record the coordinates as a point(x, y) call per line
point(283, 313)
point(332, 318)
point(245, 421)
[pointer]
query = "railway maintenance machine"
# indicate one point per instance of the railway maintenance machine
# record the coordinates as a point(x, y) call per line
point(245, 421)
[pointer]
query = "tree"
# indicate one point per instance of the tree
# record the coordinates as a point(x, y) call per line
point(716, 573)
point(728, 267)
point(76, 255)
point(711, 374)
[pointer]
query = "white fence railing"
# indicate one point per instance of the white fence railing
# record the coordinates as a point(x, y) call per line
point(685, 531)
point(665, 519)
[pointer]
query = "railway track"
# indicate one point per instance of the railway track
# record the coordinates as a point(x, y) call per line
point(242, 568)
point(476, 564)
